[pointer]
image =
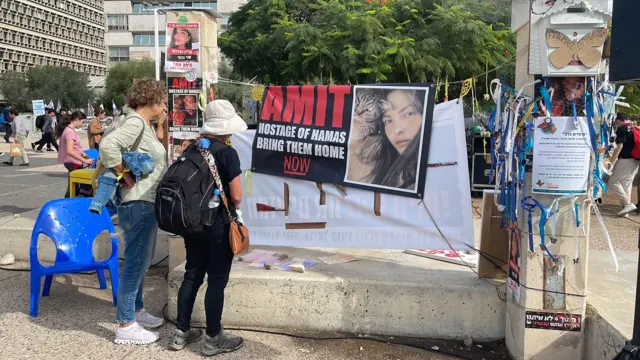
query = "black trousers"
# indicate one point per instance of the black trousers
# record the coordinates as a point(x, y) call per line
point(49, 139)
point(8, 131)
point(211, 255)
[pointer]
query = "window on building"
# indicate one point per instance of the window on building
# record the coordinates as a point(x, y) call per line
point(118, 54)
point(118, 22)
point(147, 39)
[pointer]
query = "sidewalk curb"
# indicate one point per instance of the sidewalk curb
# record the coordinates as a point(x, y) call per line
point(15, 238)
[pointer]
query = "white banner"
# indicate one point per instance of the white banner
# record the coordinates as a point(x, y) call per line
point(349, 220)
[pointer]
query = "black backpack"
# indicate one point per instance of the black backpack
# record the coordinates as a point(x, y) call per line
point(39, 122)
point(182, 197)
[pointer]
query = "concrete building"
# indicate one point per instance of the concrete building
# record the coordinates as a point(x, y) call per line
point(130, 25)
point(53, 32)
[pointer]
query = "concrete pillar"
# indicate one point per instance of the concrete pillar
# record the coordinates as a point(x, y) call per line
point(538, 273)
point(209, 25)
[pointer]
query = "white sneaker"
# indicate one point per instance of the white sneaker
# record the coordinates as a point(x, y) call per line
point(147, 320)
point(134, 334)
point(627, 209)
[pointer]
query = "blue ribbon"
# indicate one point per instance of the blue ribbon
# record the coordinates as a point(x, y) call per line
point(547, 99)
point(576, 210)
point(545, 215)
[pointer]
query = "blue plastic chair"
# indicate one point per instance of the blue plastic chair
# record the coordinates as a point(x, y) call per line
point(94, 154)
point(73, 229)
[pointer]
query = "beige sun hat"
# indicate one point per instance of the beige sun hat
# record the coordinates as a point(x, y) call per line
point(220, 118)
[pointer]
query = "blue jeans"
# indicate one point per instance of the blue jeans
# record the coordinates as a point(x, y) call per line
point(140, 164)
point(138, 221)
point(107, 191)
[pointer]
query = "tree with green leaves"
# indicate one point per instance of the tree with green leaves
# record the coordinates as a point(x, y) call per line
point(345, 42)
point(13, 86)
point(121, 76)
point(59, 83)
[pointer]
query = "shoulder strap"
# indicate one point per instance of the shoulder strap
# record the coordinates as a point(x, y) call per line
point(139, 139)
point(208, 156)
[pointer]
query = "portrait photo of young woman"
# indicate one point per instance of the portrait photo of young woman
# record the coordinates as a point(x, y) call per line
point(184, 44)
point(386, 137)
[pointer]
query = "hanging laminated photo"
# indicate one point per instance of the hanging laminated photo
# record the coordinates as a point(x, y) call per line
point(184, 113)
point(183, 47)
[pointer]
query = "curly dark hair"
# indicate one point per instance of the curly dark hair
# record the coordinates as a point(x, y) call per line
point(146, 91)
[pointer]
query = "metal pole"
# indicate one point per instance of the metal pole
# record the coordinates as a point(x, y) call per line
point(636, 317)
point(157, 36)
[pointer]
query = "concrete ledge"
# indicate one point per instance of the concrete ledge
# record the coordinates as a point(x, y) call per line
point(385, 293)
point(602, 340)
point(15, 238)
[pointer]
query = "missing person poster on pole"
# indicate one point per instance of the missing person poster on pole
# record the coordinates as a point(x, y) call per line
point(183, 47)
point(184, 113)
point(180, 140)
point(561, 156)
point(370, 137)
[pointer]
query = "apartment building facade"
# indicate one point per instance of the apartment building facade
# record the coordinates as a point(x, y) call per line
point(130, 25)
point(53, 32)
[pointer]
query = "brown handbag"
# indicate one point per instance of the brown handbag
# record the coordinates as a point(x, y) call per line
point(238, 232)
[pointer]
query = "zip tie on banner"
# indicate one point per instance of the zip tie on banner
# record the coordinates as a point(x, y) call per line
point(606, 235)
point(545, 215)
point(248, 181)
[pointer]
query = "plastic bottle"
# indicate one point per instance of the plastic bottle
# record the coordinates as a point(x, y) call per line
point(215, 199)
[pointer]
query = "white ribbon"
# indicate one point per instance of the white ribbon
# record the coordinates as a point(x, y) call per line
point(606, 235)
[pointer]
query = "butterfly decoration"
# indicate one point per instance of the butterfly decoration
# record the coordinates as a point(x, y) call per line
point(575, 52)
point(539, 183)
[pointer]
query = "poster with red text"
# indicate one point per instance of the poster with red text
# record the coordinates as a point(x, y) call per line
point(183, 111)
point(183, 47)
point(372, 137)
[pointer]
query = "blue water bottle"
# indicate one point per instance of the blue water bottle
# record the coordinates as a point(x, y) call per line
point(215, 199)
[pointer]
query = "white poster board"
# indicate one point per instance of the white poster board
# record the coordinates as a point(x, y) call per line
point(561, 156)
point(349, 219)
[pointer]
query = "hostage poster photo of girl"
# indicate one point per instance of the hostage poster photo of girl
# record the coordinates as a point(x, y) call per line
point(389, 137)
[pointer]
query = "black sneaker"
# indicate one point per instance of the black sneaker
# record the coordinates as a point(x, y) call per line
point(50, 150)
point(181, 338)
point(25, 164)
point(7, 163)
point(33, 146)
point(221, 343)
point(39, 151)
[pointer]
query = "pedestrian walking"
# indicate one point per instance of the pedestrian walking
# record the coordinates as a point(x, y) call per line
point(48, 136)
point(8, 126)
point(210, 253)
point(20, 133)
point(625, 166)
point(70, 152)
point(95, 130)
point(136, 213)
